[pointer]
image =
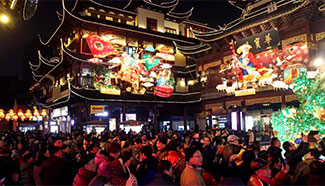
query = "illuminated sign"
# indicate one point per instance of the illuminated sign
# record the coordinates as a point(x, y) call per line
point(94, 109)
point(245, 92)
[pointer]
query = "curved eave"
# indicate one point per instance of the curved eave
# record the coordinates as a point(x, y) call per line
point(179, 17)
point(192, 49)
point(95, 95)
point(251, 20)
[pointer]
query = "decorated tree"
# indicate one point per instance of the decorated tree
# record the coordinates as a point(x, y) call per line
point(290, 122)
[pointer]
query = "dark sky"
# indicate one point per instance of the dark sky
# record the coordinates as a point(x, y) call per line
point(19, 43)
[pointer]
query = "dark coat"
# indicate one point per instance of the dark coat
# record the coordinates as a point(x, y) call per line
point(55, 171)
point(275, 152)
point(295, 157)
point(162, 179)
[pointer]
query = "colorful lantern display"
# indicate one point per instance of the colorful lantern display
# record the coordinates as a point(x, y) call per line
point(12, 115)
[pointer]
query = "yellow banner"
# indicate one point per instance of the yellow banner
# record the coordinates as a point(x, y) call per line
point(94, 109)
point(245, 92)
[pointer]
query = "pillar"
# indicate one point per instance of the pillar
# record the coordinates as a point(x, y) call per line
point(185, 118)
point(155, 122)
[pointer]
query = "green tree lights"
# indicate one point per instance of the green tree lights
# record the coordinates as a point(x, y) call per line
point(290, 122)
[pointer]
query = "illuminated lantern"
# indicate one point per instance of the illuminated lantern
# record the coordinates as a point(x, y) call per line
point(11, 113)
point(22, 117)
point(2, 114)
point(43, 113)
point(20, 113)
point(15, 117)
point(36, 113)
point(7, 117)
point(28, 114)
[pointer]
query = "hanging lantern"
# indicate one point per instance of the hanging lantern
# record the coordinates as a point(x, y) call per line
point(7, 117)
point(22, 117)
point(43, 113)
point(2, 114)
point(11, 113)
point(36, 113)
point(15, 117)
point(20, 113)
point(28, 113)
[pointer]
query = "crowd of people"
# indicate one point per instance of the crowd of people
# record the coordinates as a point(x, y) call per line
point(212, 157)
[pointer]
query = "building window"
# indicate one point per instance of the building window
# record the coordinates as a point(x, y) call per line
point(109, 18)
point(152, 24)
point(170, 30)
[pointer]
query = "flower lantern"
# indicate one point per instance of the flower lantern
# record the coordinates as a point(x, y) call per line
point(7, 117)
point(2, 114)
point(28, 114)
point(36, 113)
point(15, 117)
point(43, 113)
point(22, 117)
point(20, 113)
point(11, 113)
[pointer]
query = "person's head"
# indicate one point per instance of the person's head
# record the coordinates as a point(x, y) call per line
point(196, 136)
point(232, 139)
point(206, 141)
point(146, 152)
point(92, 148)
point(257, 164)
point(114, 150)
point(57, 151)
point(28, 158)
point(248, 156)
point(193, 156)
point(172, 145)
point(162, 142)
point(313, 154)
point(275, 142)
point(138, 143)
point(288, 146)
point(165, 167)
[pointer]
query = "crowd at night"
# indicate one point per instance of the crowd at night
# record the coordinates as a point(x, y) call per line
point(212, 157)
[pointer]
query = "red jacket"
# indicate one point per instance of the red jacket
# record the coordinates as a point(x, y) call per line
point(83, 177)
point(256, 180)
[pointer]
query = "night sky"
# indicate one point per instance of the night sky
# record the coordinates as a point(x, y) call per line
point(19, 43)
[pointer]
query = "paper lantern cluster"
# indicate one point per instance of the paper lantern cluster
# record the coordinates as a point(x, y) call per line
point(21, 115)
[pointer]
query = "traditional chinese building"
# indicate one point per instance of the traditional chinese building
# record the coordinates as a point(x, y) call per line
point(248, 65)
point(111, 65)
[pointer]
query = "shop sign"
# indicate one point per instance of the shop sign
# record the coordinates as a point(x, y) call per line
point(112, 91)
point(94, 109)
point(261, 42)
point(245, 92)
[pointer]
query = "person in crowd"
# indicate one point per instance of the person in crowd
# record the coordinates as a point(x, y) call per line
point(192, 172)
point(263, 174)
point(317, 171)
point(251, 137)
point(266, 137)
point(40, 158)
point(275, 148)
point(7, 166)
point(208, 150)
point(26, 169)
point(303, 172)
point(164, 174)
point(55, 169)
point(161, 146)
point(146, 170)
point(293, 155)
point(176, 159)
point(113, 169)
point(85, 174)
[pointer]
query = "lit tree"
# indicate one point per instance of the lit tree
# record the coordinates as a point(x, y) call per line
point(290, 122)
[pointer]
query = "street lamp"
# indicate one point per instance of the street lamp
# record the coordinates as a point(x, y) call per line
point(4, 18)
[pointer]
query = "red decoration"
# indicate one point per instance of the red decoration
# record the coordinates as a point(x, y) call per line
point(163, 91)
point(99, 47)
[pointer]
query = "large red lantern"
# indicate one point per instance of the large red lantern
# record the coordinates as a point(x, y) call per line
point(15, 117)
point(7, 117)
point(11, 113)
point(28, 114)
point(20, 113)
